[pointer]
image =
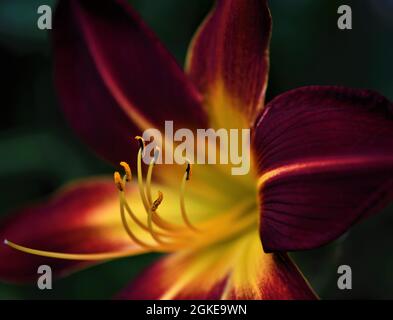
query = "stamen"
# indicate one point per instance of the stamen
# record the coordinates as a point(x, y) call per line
point(140, 223)
point(152, 211)
point(164, 246)
point(186, 177)
point(157, 202)
point(131, 213)
point(142, 143)
point(127, 170)
point(73, 256)
point(118, 181)
point(155, 217)
point(123, 200)
point(128, 229)
point(188, 170)
point(151, 207)
point(139, 174)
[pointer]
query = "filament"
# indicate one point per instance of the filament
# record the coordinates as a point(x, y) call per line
point(128, 229)
point(155, 217)
point(138, 222)
point(150, 173)
point(152, 210)
point(140, 180)
point(123, 201)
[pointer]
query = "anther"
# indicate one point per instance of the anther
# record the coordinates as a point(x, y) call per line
point(152, 211)
point(127, 170)
point(118, 181)
point(186, 177)
point(188, 171)
point(157, 202)
point(150, 173)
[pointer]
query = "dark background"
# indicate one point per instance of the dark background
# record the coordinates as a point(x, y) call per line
point(39, 152)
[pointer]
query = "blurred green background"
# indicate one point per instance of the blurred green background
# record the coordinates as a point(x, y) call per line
point(307, 48)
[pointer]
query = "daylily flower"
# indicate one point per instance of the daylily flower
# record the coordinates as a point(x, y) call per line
point(322, 160)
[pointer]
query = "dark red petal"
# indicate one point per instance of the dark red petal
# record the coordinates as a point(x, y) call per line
point(325, 157)
point(115, 79)
point(229, 58)
point(81, 219)
point(238, 271)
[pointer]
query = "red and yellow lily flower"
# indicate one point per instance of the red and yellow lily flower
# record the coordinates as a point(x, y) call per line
point(322, 160)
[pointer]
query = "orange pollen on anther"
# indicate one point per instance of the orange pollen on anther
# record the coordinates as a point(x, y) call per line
point(127, 170)
point(157, 202)
point(118, 181)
